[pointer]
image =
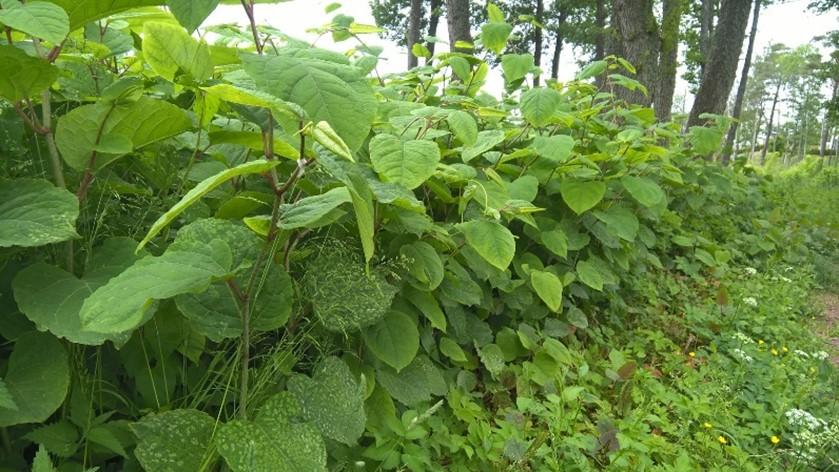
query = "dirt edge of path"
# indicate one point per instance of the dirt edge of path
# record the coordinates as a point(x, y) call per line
point(829, 324)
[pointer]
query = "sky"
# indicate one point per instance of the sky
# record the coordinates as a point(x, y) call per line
point(789, 23)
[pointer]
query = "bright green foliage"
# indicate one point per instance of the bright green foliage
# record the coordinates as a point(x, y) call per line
point(174, 441)
point(38, 18)
point(37, 377)
point(409, 163)
point(276, 439)
point(23, 76)
point(345, 269)
point(191, 13)
point(34, 213)
point(581, 195)
point(52, 298)
point(394, 340)
point(329, 91)
point(97, 134)
point(203, 188)
point(332, 400)
point(169, 49)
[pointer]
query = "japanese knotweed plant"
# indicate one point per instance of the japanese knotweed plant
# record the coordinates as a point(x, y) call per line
point(243, 252)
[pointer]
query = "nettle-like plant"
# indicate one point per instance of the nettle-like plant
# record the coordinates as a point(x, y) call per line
point(246, 250)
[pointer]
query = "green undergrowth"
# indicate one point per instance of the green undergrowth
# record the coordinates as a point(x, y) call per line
point(258, 255)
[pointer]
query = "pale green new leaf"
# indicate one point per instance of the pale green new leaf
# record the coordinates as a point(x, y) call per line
point(409, 163)
point(191, 13)
point(276, 439)
point(491, 240)
point(556, 149)
point(35, 212)
point(327, 91)
point(168, 48)
point(494, 35)
point(332, 400)
point(42, 461)
point(174, 441)
point(38, 376)
point(328, 138)
point(394, 340)
point(140, 122)
point(23, 76)
point(82, 12)
point(362, 201)
point(36, 18)
point(539, 105)
point(255, 98)
point(582, 195)
point(310, 211)
point(463, 126)
point(548, 287)
point(203, 188)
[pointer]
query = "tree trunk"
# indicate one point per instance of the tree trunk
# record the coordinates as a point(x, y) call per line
point(769, 125)
point(741, 88)
point(636, 40)
point(668, 59)
point(823, 140)
point(706, 26)
point(433, 21)
point(600, 16)
point(754, 136)
point(414, 19)
point(537, 40)
point(457, 15)
point(721, 69)
point(563, 15)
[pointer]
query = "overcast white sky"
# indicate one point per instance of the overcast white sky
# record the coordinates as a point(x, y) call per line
point(788, 22)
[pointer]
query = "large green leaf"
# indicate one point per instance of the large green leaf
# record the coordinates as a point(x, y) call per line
point(494, 35)
point(215, 312)
point(327, 91)
point(590, 275)
point(582, 195)
point(647, 192)
point(203, 188)
point(23, 76)
point(539, 104)
point(168, 48)
point(191, 13)
point(394, 340)
point(485, 141)
point(276, 439)
point(6, 400)
point(409, 163)
point(123, 303)
point(491, 240)
point(310, 211)
point(36, 18)
point(554, 148)
point(414, 384)
point(516, 66)
point(332, 400)
point(174, 441)
point(52, 297)
point(621, 220)
point(362, 201)
point(424, 265)
point(463, 126)
point(139, 123)
point(82, 12)
point(35, 212)
point(38, 376)
point(549, 288)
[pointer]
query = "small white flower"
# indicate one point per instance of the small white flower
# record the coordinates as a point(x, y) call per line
point(742, 355)
point(820, 355)
point(750, 270)
point(738, 336)
point(786, 279)
point(751, 301)
point(801, 353)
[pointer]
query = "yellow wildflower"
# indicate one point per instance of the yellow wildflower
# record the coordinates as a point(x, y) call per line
point(760, 341)
point(775, 439)
point(785, 349)
point(774, 351)
point(692, 354)
point(722, 440)
point(812, 370)
point(707, 425)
